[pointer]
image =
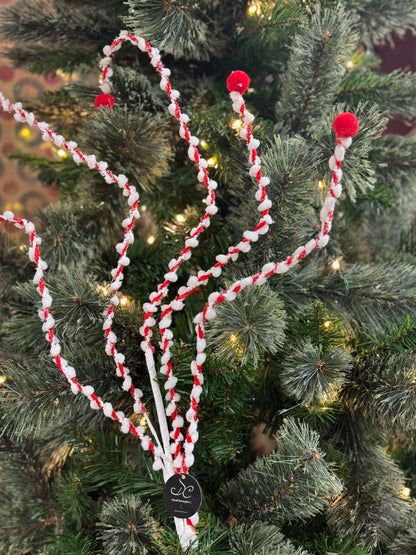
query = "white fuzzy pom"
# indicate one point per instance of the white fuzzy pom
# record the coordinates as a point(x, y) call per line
point(198, 319)
point(243, 133)
point(253, 144)
point(201, 345)
point(346, 141)
point(337, 190)
point(261, 280)
point(216, 271)
point(70, 373)
point(209, 315)
point(248, 118)
point(170, 383)
point(192, 282)
point(55, 349)
point(178, 422)
point(188, 448)
point(192, 427)
point(88, 390)
point(339, 153)
point(125, 425)
point(211, 209)
point(119, 358)
point(264, 181)
point(251, 235)
point(254, 170)
point(332, 163)
point(145, 443)
point(108, 409)
point(190, 414)
point(148, 307)
point(200, 358)
point(189, 459)
point(177, 305)
point(230, 295)
point(196, 392)
point(157, 464)
point(74, 389)
point(127, 383)
point(222, 258)
point(266, 204)
point(192, 242)
point(244, 246)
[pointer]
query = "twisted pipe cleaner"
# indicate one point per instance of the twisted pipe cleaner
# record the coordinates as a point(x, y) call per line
point(268, 270)
point(55, 348)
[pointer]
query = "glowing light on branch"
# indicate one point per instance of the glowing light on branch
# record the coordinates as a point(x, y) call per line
point(213, 162)
point(62, 153)
point(406, 493)
point(336, 264)
point(237, 124)
point(254, 9)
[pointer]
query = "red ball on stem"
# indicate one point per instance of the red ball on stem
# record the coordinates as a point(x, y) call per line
point(346, 125)
point(105, 100)
point(238, 81)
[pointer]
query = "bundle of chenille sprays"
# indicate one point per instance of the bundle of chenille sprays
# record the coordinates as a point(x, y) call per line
point(173, 450)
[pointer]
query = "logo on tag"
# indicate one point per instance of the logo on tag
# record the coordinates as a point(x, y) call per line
point(182, 495)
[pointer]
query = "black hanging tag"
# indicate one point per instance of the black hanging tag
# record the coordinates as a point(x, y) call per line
point(182, 495)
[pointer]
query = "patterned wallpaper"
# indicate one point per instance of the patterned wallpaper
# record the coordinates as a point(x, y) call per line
point(20, 191)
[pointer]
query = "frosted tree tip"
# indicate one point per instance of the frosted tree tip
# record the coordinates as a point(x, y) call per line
point(345, 125)
point(238, 81)
point(105, 100)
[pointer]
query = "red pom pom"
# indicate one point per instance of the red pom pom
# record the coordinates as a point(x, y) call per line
point(105, 100)
point(238, 81)
point(346, 125)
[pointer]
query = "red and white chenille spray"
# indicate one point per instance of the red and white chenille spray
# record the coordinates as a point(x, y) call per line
point(172, 445)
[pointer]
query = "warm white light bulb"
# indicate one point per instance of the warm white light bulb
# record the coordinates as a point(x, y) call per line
point(336, 264)
point(62, 153)
point(213, 162)
point(406, 492)
point(236, 124)
point(253, 9)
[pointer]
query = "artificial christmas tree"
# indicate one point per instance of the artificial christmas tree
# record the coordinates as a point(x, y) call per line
point(323, 355)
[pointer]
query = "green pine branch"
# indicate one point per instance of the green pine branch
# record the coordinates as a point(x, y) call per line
point(275, 486)
point(317, 50)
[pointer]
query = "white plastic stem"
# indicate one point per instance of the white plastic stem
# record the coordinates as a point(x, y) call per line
point(161, 416)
